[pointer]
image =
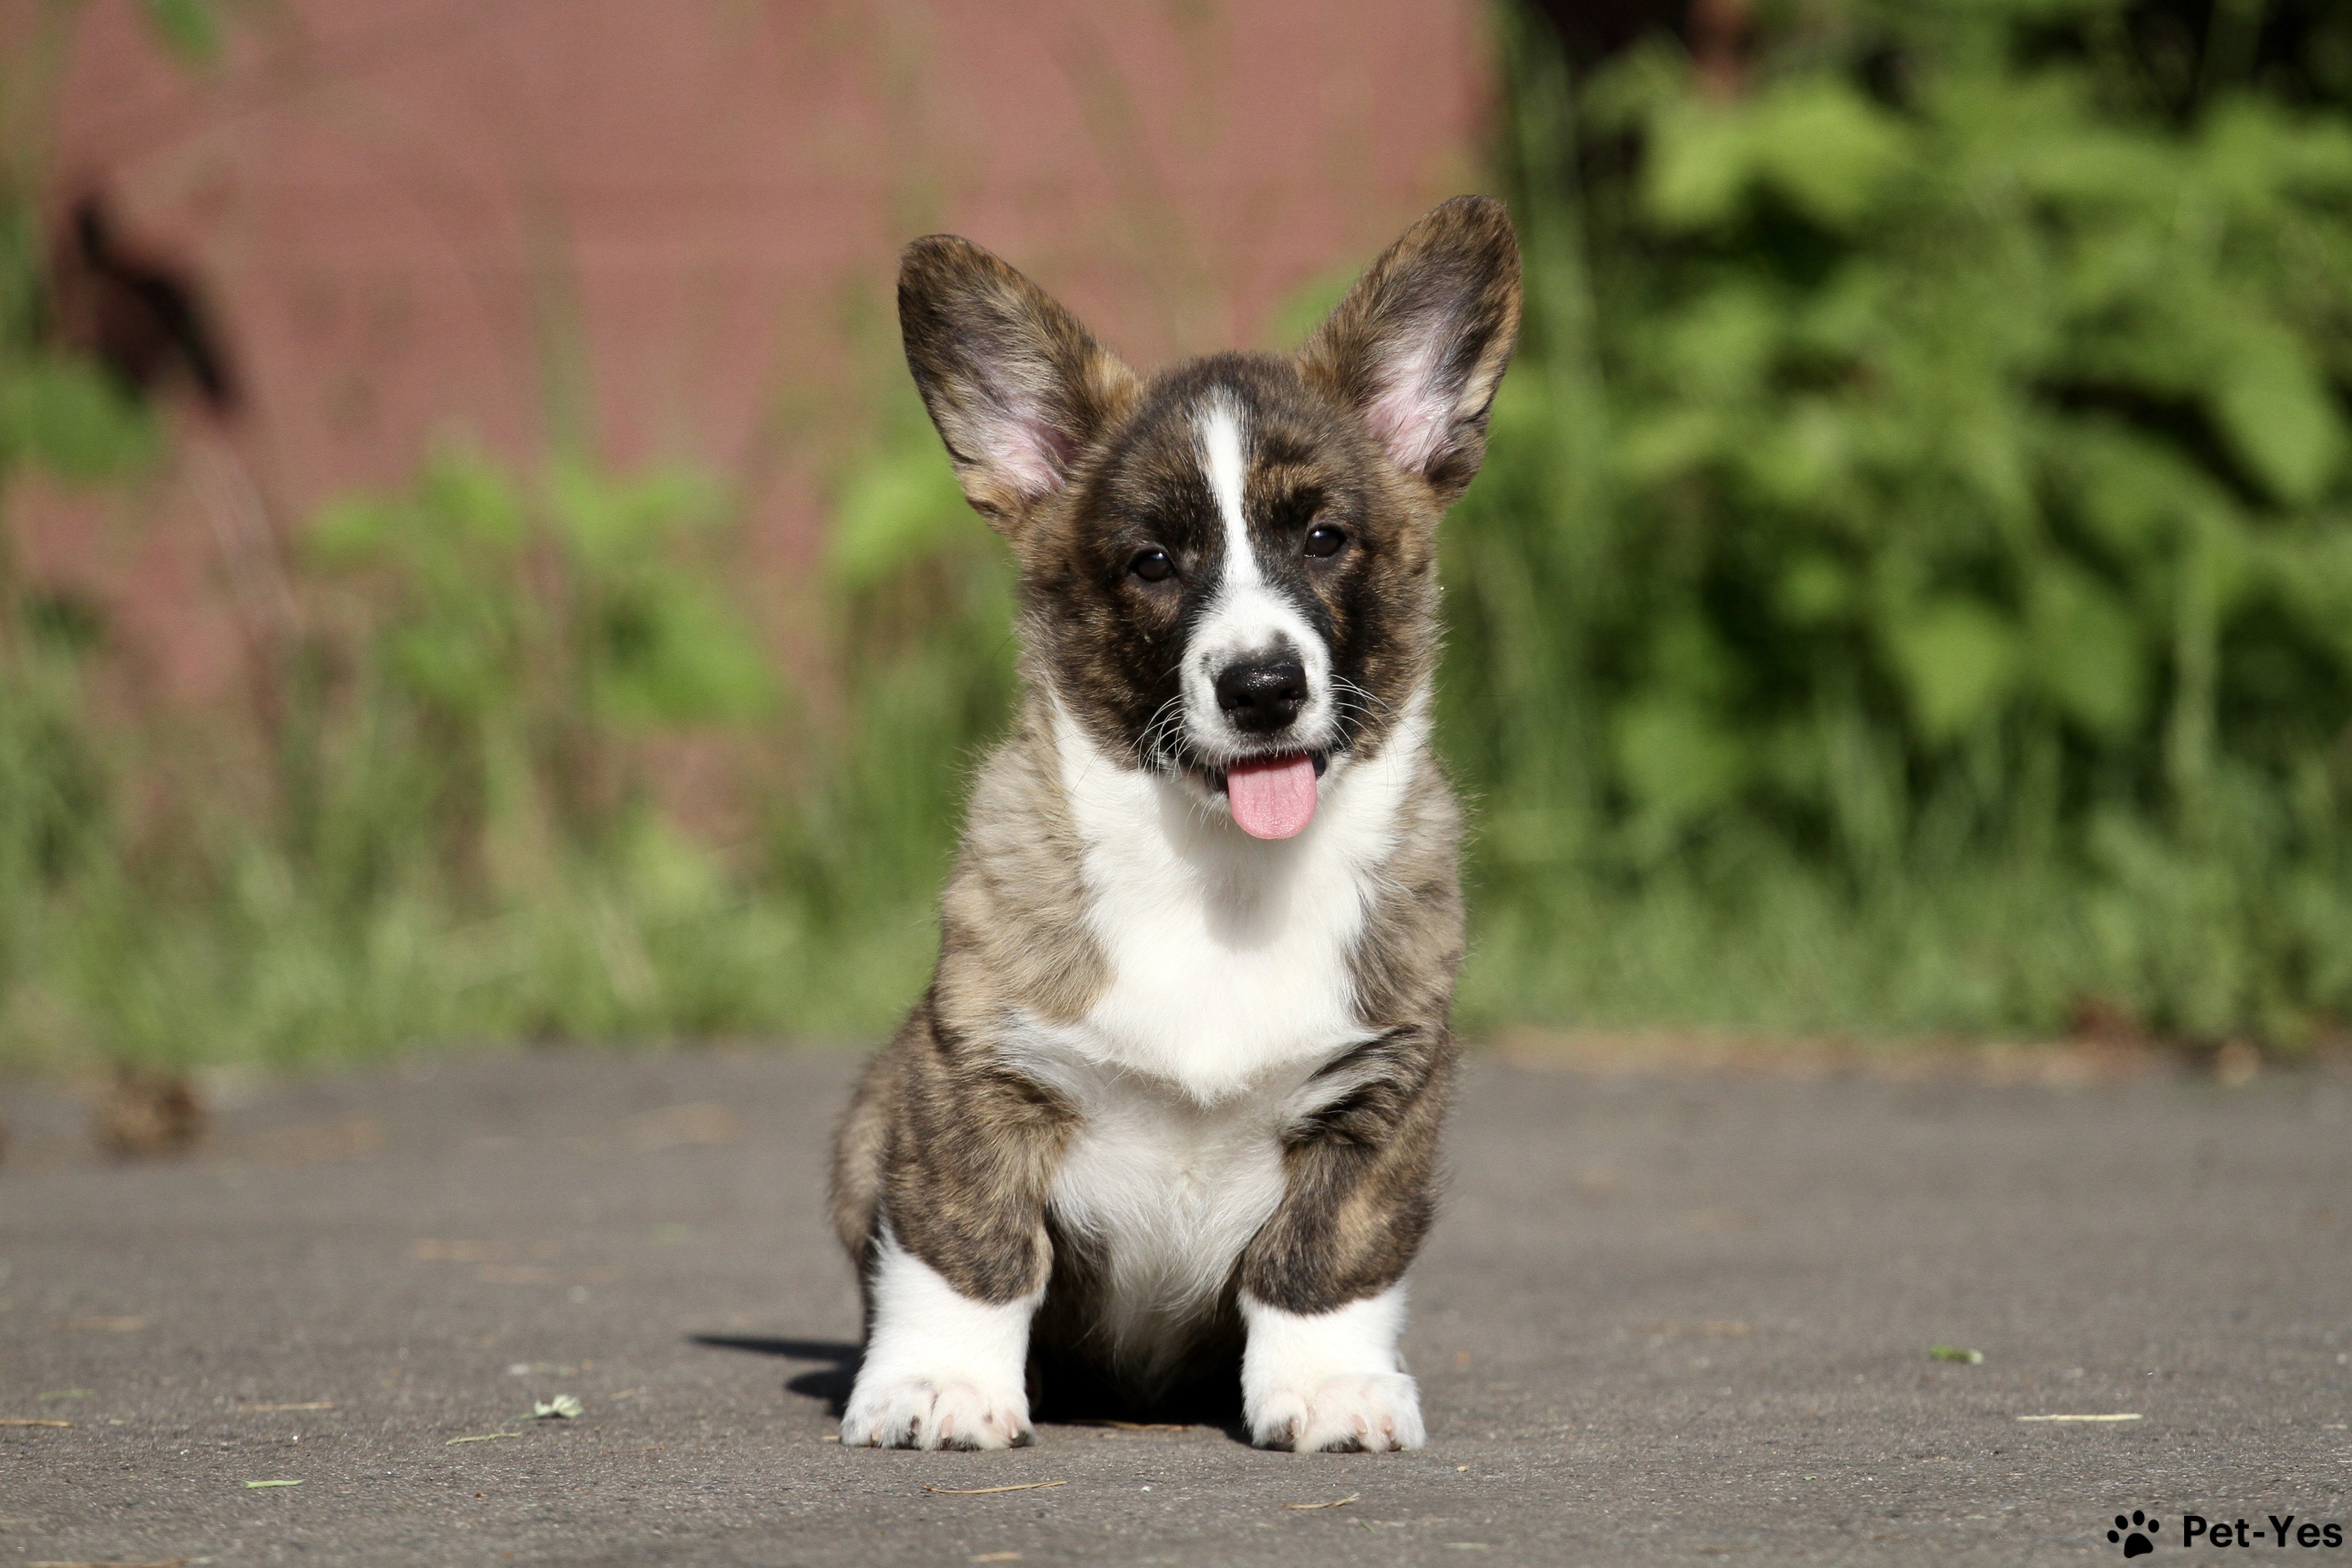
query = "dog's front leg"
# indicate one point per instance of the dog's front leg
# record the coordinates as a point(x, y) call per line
point(1322, 1285)
point(960, 1254)
point(943, 1369)
point(1330, 1382)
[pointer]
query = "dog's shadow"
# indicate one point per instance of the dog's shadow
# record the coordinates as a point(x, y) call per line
point(830, 1382)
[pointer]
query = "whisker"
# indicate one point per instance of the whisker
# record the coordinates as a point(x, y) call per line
point(1158, 740)
point(1340, 683)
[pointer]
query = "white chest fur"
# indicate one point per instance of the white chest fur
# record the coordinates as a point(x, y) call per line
point(1229, 985)
point(1229, 957)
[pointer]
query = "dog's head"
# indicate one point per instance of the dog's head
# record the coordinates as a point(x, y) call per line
point(1228, 571)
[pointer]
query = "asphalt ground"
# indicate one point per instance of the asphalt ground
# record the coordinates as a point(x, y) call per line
point(1666, 1317)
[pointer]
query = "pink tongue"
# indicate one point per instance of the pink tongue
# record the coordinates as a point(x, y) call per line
point(1272, 800)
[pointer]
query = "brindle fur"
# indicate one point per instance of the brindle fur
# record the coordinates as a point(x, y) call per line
point(950, 1146)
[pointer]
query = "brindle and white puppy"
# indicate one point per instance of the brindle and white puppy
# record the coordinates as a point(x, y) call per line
point(1170, 1104)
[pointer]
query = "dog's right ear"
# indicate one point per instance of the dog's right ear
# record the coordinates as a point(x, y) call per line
point(1015, 386)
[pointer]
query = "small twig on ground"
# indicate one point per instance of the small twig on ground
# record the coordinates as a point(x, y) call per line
point(1335, 1502)
point(260, 1409)
point(2133, 1417)
point(980, 1491)
point(30, 1421)
point(1138, 1426)
point(479, 1438)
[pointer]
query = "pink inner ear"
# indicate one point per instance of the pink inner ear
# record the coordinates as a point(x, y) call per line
point(1407, 416)
point(1025, 453)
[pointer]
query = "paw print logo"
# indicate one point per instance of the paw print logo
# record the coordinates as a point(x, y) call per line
point(2134, 1533)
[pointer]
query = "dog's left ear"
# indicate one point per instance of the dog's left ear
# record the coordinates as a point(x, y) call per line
point(1419, 345)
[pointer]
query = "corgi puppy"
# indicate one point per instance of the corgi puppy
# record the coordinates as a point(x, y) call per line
point(1164, 1127)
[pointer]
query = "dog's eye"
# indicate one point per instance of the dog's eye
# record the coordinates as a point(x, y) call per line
point(1325, 540)
point(1152, 566)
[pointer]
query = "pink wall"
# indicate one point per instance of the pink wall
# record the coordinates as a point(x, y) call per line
point(397, 205)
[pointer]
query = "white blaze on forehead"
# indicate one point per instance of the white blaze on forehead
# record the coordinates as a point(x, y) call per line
point(1225, 461)
point(1249, 618)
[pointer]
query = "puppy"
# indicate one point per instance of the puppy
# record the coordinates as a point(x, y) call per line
point(1167, 1119)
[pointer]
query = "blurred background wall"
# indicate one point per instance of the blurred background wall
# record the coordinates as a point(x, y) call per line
point(668, 231)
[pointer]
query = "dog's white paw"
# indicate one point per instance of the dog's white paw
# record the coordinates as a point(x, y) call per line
point(1353, 1412)
point(935, 1413)
point(941, 1370)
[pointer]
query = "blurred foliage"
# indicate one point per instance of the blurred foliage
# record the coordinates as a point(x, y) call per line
point(455, 832)
point(492, 594)
point(1912, 586)
point(67, 418)
point(1910, 591)
point(919, 599)
point(190, 30)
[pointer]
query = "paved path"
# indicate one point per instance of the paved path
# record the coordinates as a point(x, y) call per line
point(1664, 1319)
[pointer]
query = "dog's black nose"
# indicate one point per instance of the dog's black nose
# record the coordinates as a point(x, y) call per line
point(1263, 697)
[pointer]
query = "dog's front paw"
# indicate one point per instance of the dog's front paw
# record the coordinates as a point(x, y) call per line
point(935, 1413)
point(1354, 1412)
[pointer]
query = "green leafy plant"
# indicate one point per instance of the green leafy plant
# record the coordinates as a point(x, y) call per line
point(1949, 629)
point(517, 642)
